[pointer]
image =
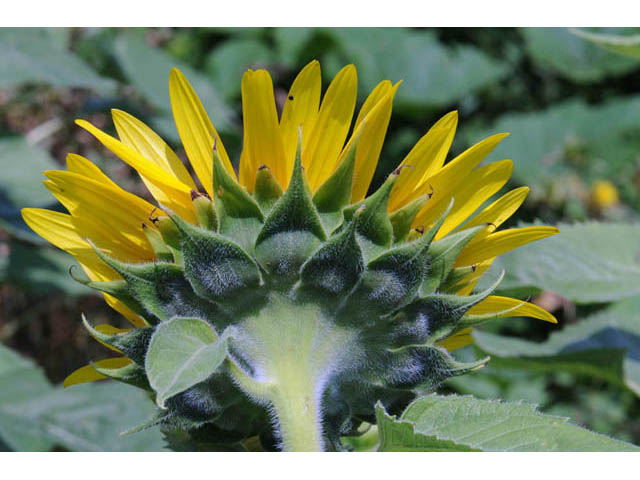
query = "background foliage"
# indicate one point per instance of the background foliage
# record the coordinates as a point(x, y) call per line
point(569, 99)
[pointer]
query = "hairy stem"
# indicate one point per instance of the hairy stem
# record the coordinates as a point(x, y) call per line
point(293, 352)
point(298, 415)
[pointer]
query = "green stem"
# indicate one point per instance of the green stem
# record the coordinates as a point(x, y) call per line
point(299, 421)
point(294, 403)
point(293, 349)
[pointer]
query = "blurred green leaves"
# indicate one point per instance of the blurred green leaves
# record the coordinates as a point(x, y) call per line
point(30, 265)
point(22, 164)
point(229, 61)
point(558, 50)
point(38, 55)
point(568, 137)
point(34, 416)
point(433, 75)
point(628, 45)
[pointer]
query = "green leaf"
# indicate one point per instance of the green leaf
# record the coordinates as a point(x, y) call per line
point(34, 416)
point(628, 45)
point(148, 69)
point(182, 353)
point(605, 345)
point(462, 424)
point(434, 75)
point(21, 380)
point(231, 59)
point(37, 55)
point(586, 263)
point(571, 57)
point(92, 417)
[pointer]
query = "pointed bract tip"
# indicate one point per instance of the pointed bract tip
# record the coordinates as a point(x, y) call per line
point(77, 278)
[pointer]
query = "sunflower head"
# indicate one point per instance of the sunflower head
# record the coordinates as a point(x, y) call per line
point(283, 303)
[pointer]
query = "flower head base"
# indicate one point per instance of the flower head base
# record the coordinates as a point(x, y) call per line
point(284, 303)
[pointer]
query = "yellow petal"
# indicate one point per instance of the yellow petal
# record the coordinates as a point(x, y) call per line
point(110, 329)
point(502, 242)
point(196, 130)
point(321, 149)
point(59, 229)
point(114, 209)
point(424, 159)
point(135, 319)
point(262, 137)
point(146, 142)
point(443, 184)
point(55, 227)
point(468, 283)
point(498, 212)
point(300, 109)
point(480, 185)
point(377, 111)
point(135, 134)
point(458, 340)
point(510, 307)
point(88, 374)
point(164, 186)
point(85, 167)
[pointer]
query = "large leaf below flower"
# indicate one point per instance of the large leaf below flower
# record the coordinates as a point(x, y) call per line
point(462, 424)
point(605, 345)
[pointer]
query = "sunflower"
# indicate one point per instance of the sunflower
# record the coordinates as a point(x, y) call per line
point(288, 263)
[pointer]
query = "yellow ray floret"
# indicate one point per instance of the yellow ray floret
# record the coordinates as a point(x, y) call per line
point(262, 135)
point(510, 307)
point(320, 152)
point(502, 242)
point(300, 110)
point(457, 340)
point(424, 159)
point(89, 374)
point(196, 130)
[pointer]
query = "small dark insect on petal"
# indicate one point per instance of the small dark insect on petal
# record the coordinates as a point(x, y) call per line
point(290, 97)
point(153, 219)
